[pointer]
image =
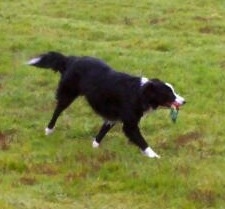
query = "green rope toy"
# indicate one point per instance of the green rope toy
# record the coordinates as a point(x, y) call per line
point(174, 112)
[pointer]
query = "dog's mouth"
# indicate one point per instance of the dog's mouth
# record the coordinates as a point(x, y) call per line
point(174, 109)
point(175, 105)
point(179, 101)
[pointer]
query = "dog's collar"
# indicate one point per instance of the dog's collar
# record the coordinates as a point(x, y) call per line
point(144, 80)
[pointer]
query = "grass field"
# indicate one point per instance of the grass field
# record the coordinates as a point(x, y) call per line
point(181, 42)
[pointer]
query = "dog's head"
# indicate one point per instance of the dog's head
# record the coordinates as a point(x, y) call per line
point(156, 93)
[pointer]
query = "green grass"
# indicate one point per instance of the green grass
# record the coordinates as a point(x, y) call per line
point(180, 42)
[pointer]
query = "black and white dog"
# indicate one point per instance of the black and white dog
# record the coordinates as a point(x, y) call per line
point(115, 96)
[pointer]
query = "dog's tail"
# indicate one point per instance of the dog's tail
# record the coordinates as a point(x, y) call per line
point(52, 60)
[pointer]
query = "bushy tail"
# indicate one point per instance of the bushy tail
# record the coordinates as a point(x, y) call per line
point(52, 60)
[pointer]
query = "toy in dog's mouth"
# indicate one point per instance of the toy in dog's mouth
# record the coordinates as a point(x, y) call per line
point(175, 105)
point(174, 110)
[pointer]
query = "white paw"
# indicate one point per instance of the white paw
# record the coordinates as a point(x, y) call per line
point(95, 144)
point(150, 153)
point(49, 131)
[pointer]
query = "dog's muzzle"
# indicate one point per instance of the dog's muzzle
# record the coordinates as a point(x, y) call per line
point(179, 101)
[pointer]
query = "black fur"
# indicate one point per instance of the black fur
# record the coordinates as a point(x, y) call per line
point(114, 95)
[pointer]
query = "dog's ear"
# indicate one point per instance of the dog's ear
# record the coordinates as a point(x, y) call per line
point(148, 89)
point(148, 95)
point(151, 87)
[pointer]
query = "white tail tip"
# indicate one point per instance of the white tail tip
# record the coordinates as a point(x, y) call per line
point(34, 61)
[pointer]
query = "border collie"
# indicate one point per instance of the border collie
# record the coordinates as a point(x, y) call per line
point(115, 96)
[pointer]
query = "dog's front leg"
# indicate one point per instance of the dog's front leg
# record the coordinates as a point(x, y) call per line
point(107, 125)
point(133, 133)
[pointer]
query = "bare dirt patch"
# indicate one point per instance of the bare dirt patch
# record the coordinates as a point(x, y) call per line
point(187, 138)
point(206, 30)
point(46, 169)
point(4, 142)
point(217, 30)
point(157, 21)
point(222, 64)
point(26, 180)
point(203, 196)
point(91, 165)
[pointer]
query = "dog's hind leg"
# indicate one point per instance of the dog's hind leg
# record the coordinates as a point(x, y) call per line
point(107, 125)
point(62, 103)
